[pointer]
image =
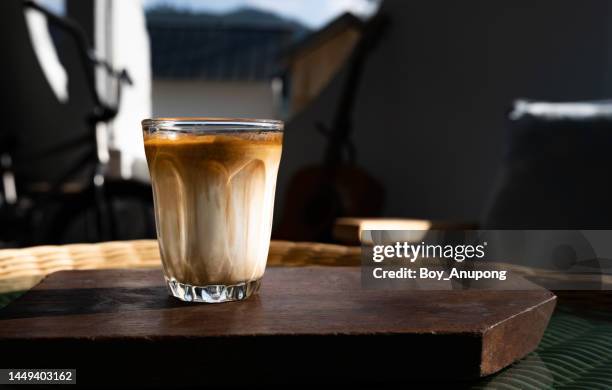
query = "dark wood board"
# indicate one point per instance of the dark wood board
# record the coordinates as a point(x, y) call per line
point(306, 324)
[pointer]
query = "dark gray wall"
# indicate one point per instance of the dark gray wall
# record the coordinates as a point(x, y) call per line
point(430, 113)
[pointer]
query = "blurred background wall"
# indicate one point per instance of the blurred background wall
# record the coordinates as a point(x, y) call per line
point(430, 114)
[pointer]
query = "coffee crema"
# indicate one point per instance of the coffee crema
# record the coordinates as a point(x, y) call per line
point(214, 198)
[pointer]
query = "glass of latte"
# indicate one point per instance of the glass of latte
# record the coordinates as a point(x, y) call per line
point(213, 186)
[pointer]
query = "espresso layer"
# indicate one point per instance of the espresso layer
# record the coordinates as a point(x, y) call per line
point(214, 197)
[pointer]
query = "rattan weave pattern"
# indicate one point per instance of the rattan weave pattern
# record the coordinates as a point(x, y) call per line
point(22, 268)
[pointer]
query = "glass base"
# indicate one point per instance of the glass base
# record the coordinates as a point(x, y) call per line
point(214, 293)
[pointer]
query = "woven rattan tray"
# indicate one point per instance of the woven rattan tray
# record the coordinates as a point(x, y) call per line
point(20, 269)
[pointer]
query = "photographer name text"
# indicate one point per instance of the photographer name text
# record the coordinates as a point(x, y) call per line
point(403, 252)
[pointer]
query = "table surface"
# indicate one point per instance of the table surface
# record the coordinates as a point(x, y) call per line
point(297, 309)
point(581, 326)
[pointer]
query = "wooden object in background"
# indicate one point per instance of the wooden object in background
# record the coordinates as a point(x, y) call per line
point(348, 230)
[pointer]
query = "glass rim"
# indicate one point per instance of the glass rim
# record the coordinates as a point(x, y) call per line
point(211, 124)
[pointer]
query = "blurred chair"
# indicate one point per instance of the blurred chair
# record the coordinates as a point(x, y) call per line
point(61, 189)
point(556, 173)
point(338, 186)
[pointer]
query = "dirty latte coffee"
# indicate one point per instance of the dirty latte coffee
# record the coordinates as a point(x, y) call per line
point(213, 185)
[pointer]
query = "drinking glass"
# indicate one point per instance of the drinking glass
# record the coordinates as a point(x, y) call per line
point(213, 182)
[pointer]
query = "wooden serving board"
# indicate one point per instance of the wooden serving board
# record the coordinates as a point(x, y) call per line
point(306, 324)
